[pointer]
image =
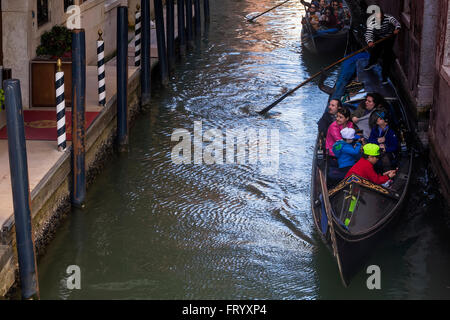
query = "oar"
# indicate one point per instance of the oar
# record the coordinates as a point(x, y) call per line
point(280, 4)
point(318, 73)
point(327, 204)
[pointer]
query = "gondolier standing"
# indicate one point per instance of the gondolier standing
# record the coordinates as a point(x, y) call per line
point(379, 26)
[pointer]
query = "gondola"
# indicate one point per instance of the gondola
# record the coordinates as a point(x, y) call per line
point(325, 41)
point(369, 209)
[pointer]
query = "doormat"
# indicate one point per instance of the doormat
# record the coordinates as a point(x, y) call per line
point(41, 124)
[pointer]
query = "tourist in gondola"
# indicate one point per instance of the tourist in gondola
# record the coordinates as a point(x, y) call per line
point(323, 5)
point(347, 151)
point(309, 4)
point(389, 25)
point(363, 117)
point(312, 14)
point(365, 166)
point(329, 117)
point(334, 131)
point(340, 14)
point(385, 137)
point(328, 19)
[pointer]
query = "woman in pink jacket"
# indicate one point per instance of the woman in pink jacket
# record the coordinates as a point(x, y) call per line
point(334, 131)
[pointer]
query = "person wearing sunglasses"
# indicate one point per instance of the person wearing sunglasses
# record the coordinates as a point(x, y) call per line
point(328, 20)
point(312, 14)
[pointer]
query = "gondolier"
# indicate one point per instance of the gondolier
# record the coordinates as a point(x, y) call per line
point(386, 26)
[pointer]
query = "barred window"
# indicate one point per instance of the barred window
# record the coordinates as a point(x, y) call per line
point(407, 6)
point(68, 3)
point(42, 12)
point(447, 41)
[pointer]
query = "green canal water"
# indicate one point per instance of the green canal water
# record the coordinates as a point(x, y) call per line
point(153, 229)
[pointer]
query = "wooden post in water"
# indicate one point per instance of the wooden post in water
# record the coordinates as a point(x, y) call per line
point(78, 117)
point(181, 27)
point(20, 190)
point(170, 33)
point(145, 52)
point(206, 11)
point(198, 21)
point(160, 37)
point(122, 77)
point(189, 36)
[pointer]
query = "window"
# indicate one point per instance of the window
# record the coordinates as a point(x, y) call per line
point(42, 12)
point(445, 69)
point(407, 6)
point(406, 13)
point(68, 3)
point(446, 61)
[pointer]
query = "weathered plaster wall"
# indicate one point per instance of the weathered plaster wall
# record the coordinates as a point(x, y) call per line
point(415, 46)
point(21, 34)
point(17, 26)
point(439, 130)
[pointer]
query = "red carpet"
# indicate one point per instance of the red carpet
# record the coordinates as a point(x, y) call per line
point(41, 125)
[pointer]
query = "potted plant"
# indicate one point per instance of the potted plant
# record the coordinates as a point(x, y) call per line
point(55, 43)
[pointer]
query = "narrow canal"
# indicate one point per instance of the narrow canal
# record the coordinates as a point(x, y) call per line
point(153, 229)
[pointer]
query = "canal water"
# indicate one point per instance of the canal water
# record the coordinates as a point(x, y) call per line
point(154, 229)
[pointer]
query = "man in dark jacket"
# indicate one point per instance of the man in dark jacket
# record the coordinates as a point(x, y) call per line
point(328, 117)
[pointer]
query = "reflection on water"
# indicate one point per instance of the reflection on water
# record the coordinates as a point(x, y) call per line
point(156, 230)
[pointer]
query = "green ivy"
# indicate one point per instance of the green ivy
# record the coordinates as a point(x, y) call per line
point(2, 98)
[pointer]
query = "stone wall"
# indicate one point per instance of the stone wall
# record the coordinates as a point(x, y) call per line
point(439, 130)
point(415, 45)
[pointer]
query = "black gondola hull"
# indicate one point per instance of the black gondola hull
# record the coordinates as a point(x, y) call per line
point(378, 207)
point(329, 43)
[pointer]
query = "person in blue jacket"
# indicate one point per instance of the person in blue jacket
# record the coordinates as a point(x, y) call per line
point(347, 151)
point(385, 137)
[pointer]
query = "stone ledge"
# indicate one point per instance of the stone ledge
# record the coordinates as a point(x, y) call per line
point(445, 74)
point(7, 269)
point(436, 160)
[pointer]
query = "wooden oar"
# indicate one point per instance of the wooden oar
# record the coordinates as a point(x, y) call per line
point(280, 4)
point(327, 204)
point(318, 73)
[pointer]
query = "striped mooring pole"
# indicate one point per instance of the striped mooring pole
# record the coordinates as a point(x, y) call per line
point(60, 107)
point(101, 69)
point(137, 37)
